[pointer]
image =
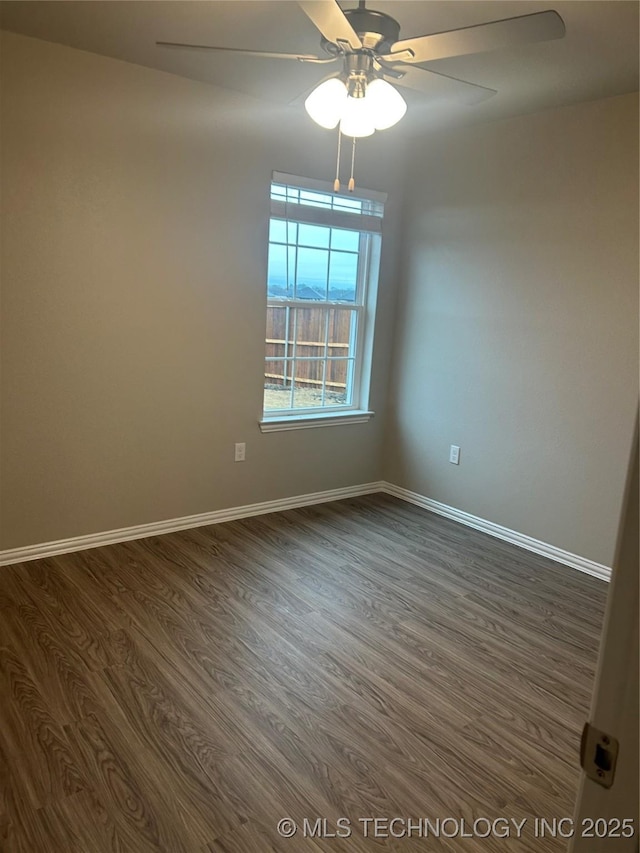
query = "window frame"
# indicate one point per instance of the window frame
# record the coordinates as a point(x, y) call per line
point(363, 307)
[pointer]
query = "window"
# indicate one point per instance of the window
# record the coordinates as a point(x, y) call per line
point(324, 251)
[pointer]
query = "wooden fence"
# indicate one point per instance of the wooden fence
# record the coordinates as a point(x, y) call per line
point(309, 337)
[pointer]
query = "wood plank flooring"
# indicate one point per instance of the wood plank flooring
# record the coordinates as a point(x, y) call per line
point(360, 659)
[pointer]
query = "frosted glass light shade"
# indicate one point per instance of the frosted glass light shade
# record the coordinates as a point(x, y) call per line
point(386, 104)
point(326, 103)
point(357, 119)
point(330, 104)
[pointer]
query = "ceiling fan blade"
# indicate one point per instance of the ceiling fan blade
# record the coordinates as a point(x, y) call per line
point(510, 32)
point(441, 85)
point(330, 20)
point(301, 57)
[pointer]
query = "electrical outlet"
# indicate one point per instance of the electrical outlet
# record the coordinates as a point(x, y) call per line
point(240, 451)
point(454, 454)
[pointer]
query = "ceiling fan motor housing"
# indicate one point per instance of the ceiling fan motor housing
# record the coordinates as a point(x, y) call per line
point(357, 71)
point(375, 30)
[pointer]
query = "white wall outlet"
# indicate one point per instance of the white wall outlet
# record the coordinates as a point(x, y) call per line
point(454, 454)
point(240, 451)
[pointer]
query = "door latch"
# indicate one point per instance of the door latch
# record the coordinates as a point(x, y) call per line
point(598, 755)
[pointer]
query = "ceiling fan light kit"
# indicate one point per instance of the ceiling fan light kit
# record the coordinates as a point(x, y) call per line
point(357, 120)
point(387, 103)
point(327, 103)
point(359, 98)
point(378, 107)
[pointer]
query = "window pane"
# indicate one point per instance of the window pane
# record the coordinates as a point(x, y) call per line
point(341, 332)
point(343, 276)
point(280, 192)
point(277, 270)
point(314, 199)
point(307, 384)
point(343, 239)
point(310, 332)
point(278, 230)
point(279, 335)
point(281, 231)
point(310, 328)
point(315, 331)
point(314, 235)
point(351, 204)
point(311, 281)
point(329, 201)
point(276, 335)
point(277, 384)
point(338, 382)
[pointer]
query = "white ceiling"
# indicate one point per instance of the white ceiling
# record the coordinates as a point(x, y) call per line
point(597, 58)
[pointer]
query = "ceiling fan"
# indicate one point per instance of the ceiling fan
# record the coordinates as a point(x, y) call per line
point(360, 97)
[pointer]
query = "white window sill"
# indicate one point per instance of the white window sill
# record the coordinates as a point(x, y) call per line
point(276, 424)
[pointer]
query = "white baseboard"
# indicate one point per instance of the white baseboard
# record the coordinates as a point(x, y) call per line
point(141, 531)
point(559, 555)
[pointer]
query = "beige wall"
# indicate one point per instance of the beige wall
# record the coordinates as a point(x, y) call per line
point(135, 207)
point(517, 334)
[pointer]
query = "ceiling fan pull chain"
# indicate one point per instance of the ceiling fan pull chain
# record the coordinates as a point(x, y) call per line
point(352, 183)
point(336, 183)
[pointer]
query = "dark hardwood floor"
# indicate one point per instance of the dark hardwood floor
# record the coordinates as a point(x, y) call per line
point(360, 659)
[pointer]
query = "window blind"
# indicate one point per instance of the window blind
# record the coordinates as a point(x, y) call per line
point(314, 202)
